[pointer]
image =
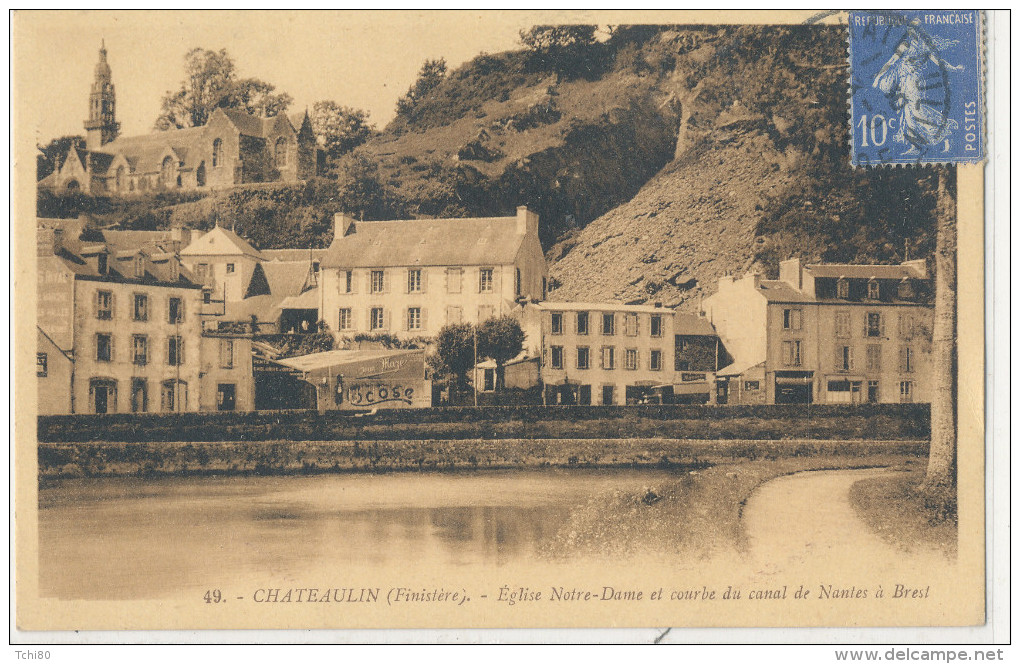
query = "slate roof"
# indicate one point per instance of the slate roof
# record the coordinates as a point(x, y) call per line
point(144, 153)
point(454, 242)
point(246, 124)
point(780, 291)
point(288, 255)
point(604, 306)
point(693, 325)
point(286, 279)
point(834, 270)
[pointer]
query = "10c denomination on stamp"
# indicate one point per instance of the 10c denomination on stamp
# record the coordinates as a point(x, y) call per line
point(916, 87)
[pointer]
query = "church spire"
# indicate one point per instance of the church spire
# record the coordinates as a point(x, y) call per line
point(102, 125)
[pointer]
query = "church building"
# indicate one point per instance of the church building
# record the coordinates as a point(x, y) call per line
point(232, 148)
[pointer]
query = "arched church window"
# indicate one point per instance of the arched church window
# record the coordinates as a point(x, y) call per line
point(200, 175)
point(217, 152)
point(120, 178)
point(281, 152)
point(167, 171)
point(73, 185)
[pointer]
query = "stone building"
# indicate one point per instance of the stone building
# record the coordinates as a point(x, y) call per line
point(608, 353)
point(826, 334)
point(410, 278)
point(233, 148)
point(118, 323)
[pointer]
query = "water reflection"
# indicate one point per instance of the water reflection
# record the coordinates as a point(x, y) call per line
point(131, 538)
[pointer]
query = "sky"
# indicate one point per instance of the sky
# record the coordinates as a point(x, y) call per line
point(360, 59)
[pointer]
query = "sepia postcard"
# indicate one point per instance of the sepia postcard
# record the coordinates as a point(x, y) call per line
point(492, 319)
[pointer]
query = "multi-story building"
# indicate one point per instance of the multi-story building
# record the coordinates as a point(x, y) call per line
point(826, 334)
point(410, 278)
point(607, 353)
point(227, 376)
point(118, 326)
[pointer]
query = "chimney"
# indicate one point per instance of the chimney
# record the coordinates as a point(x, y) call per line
point(790, 272)
point(527, 221)
point(342, 225)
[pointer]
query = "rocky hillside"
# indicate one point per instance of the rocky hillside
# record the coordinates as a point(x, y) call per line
point(760, 174)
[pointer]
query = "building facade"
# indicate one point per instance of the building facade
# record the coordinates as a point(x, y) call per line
point(227, 378)
point(826, 334)
point(410, 278)
point(232, 148)
point(125, 319)
point(606, 353)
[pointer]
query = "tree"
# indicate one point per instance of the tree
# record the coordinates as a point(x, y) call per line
point(210, 82)
point(565, 49)
point(455, 351)
point(500, 340)
point(258, 98)
point(430, 75)
point(52, 154)
point(941, 474)
point(360, 189)
point(340, 128)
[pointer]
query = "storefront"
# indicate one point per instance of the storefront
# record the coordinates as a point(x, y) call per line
point(361, 380)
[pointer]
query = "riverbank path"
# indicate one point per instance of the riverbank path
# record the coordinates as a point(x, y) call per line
point(806, 522)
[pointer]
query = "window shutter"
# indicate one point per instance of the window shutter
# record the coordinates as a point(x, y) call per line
point(95, 304)
point(407, 319)
point(424, 282)
point(881, 324)
point(113, 306)
point(837, 360)
point(385, 282)
point(424, 319)
point(407, 282)
point(637, 325)
point(864, 332)
point(850, 358)
point(902, 355)
point(385, 318)
point(368, 281)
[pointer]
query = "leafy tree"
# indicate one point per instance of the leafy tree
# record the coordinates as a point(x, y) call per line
point(455, 351)
point(500, 340)
point(360, 189)
point(430, 75)
point(340, 128)
point(258, 98)
point(53, 153)
point(565, 49)
point(210, 82)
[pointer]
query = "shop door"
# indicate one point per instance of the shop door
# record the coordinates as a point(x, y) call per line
point(792, 393)
point(226, 396)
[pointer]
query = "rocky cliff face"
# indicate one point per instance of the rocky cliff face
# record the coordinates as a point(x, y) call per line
point(760, 173)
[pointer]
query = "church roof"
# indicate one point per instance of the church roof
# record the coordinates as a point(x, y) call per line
point(246, 124)
point(454, 242)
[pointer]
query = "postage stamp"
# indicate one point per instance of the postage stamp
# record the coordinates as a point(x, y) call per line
point(916, 87)
point(457, 320)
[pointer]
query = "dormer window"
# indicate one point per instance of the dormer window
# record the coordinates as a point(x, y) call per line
point(873, 289)
point(101, 266)
point(842, 288)
point(905, 289)
point(139, 267)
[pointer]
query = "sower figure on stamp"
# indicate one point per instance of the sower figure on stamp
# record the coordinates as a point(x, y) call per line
point(903, 81)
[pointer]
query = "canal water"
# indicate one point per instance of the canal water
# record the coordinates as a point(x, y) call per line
point(129, 538)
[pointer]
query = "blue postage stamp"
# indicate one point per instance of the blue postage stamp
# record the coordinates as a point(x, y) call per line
point(916, 81)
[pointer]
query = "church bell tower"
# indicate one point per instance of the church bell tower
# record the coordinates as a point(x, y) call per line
point(102, 125)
